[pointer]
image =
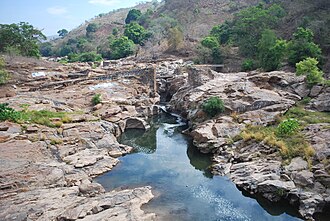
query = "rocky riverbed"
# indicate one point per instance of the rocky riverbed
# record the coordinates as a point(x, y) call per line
point(46, 173)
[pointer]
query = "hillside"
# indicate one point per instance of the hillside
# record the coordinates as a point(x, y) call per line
point(197, 17)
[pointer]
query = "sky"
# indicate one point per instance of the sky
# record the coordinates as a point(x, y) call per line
point(53, 15)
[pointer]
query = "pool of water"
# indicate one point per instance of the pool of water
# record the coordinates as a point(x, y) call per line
point(183, 186)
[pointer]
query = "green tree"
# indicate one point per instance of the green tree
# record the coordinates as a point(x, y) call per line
point(213, 52)
point(309, 68)
point(249, 24)
point(21, 37)
point(91, 27)
point(271, 50)
point(133, 15)
point(62, 32)
point(222, 32)
point(121, 47)
point(65, 50)
point(46, 49)
point(302, 46)
point(210, 42)
point(136, 33)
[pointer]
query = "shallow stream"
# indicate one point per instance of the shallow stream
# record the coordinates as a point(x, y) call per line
point(183, 186)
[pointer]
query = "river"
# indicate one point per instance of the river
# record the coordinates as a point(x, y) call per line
point(179, 174)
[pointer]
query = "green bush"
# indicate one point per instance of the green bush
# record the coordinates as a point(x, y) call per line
point(96, 99)
point(8, 113)
point(213, 106)
point(248, 65)
point(309, 68)
point(287, 127)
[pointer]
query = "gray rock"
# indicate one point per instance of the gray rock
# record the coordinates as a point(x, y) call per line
point(297, 164)
point(316, 90)
point(136, 123)
point(274, 190)
point(91, 189)
point(303, 178)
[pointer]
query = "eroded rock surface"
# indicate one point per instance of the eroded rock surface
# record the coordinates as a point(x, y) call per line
point(258, 99)
point(46, 173)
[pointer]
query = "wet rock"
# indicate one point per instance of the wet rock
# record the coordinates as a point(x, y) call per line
point(274, 190)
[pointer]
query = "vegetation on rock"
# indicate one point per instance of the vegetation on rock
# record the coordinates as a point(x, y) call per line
point(43, 117)
point(213, 106)
point(96, 99)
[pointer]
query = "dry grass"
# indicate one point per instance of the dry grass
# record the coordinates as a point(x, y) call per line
point(289, 147)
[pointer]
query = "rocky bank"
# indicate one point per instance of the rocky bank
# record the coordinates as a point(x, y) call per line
point(46, 173)
point(258, 99)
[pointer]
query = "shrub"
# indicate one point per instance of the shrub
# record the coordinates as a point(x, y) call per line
point(213, 106)
point(248, 65)
point(309, 68)
point(96, 99)
point(287, 127)
point(8, 113)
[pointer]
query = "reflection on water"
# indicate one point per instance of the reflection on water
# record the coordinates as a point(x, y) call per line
point(183, 186)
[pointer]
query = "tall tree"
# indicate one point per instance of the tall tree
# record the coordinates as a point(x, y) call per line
point(22, 38)
point(133, 15)
point(62, 32)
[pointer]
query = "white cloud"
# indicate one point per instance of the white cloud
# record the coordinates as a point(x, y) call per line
point(103, 2)
point(57, 10)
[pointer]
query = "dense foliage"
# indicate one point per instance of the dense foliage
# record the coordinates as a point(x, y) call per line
point(302, 46)
point(136, 33)
point(133, 15)
point(121, 47)
point(20, 39)
point(249, 24)
point(309, 68)
point(213, 106)
point(271, 50)
point(287, 127)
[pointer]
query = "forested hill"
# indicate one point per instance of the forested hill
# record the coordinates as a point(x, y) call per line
point(177, 27)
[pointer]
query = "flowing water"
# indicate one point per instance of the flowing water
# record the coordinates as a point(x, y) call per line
point(183, 186)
